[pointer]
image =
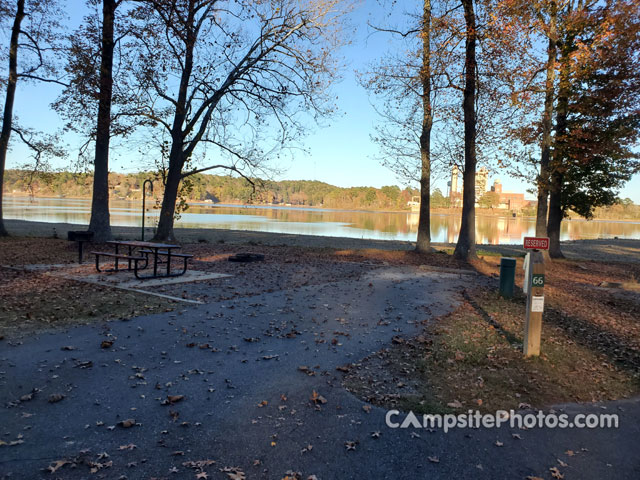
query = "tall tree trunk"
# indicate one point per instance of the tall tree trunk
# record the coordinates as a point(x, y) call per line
point(547, 125)
point(423, 243)
point(556, 209)
point(177, 156)
point(164, 232)
point(466, 246)
point(100, 220)
point(7, 118)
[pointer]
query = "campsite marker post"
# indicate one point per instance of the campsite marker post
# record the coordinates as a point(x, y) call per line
point(534, 288)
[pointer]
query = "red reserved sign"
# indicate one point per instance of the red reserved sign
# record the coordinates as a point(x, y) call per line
point(536, 243)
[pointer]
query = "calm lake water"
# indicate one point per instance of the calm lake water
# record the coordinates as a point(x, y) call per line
point(313, 221)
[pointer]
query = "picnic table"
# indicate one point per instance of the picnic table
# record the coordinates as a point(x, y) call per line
point(137, 256)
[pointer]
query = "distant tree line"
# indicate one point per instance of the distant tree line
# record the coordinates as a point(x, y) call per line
point(217, 188)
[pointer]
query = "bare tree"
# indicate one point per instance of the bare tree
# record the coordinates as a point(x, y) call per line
point(466, 245)
point(100, 101)
point(487, 97)
point(410, 82)
point(232, 79)
point(405, 82)
point(423, 242)
point(33, 28)
point(100, 223)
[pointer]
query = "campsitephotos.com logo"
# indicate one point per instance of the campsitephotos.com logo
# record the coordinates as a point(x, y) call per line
point(501, 418)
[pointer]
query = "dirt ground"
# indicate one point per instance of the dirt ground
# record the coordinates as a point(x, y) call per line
point(34, 299)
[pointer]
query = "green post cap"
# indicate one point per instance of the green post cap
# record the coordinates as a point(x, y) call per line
point(508, 262)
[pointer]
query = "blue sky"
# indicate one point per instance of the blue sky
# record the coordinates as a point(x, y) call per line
point(341, 153)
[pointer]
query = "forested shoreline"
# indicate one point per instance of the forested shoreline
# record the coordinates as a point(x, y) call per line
point(217, 189)
point(233, 190)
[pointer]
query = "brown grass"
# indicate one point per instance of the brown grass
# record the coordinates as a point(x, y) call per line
point(472, 359)
point(590, 346)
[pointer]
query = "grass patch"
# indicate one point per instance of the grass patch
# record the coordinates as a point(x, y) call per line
point(437, 258)
point(472, 359)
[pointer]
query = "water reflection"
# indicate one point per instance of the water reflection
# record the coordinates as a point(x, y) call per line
point(310, 221)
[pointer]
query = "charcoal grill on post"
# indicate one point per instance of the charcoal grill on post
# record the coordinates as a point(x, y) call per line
point(79, 236)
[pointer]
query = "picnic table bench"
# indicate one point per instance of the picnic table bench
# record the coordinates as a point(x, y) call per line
point(138, 252)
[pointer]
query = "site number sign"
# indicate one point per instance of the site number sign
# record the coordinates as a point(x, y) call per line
point(537, 280)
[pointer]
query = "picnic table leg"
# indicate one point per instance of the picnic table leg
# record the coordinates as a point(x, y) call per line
point(184, 266)
point(168, 262)
point(97, 262)
point(135, 269)
point(116, 258)
point(155, 263)
point(130, 254)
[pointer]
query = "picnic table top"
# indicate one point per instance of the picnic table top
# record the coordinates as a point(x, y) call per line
point(137, 243)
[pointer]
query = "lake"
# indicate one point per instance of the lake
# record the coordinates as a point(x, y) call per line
point(314, 221)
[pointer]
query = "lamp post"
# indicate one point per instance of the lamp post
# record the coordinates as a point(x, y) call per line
point(144, 184)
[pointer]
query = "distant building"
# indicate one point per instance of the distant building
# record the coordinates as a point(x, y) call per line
point(455, 196)
point(454, 179)
point(455, 199)
point(414, 203)
point(509, 200)
point(482, 177)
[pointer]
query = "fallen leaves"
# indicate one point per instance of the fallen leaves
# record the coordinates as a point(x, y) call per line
point(24, 398)
point(12, 443)
point(317, 398)
point(83, 364)
point(350, 445)
point(128, 423)
point(555, 473)
point(27, 397)
point(106, 344)
point(198, 464)
point(57, 465)
point(234, 473)
point(55, 397)
point(307, 370)
point(172, 399)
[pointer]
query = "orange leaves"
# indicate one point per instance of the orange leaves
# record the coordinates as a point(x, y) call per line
point(317, 399)
point(171, 399)
point(57, 465)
